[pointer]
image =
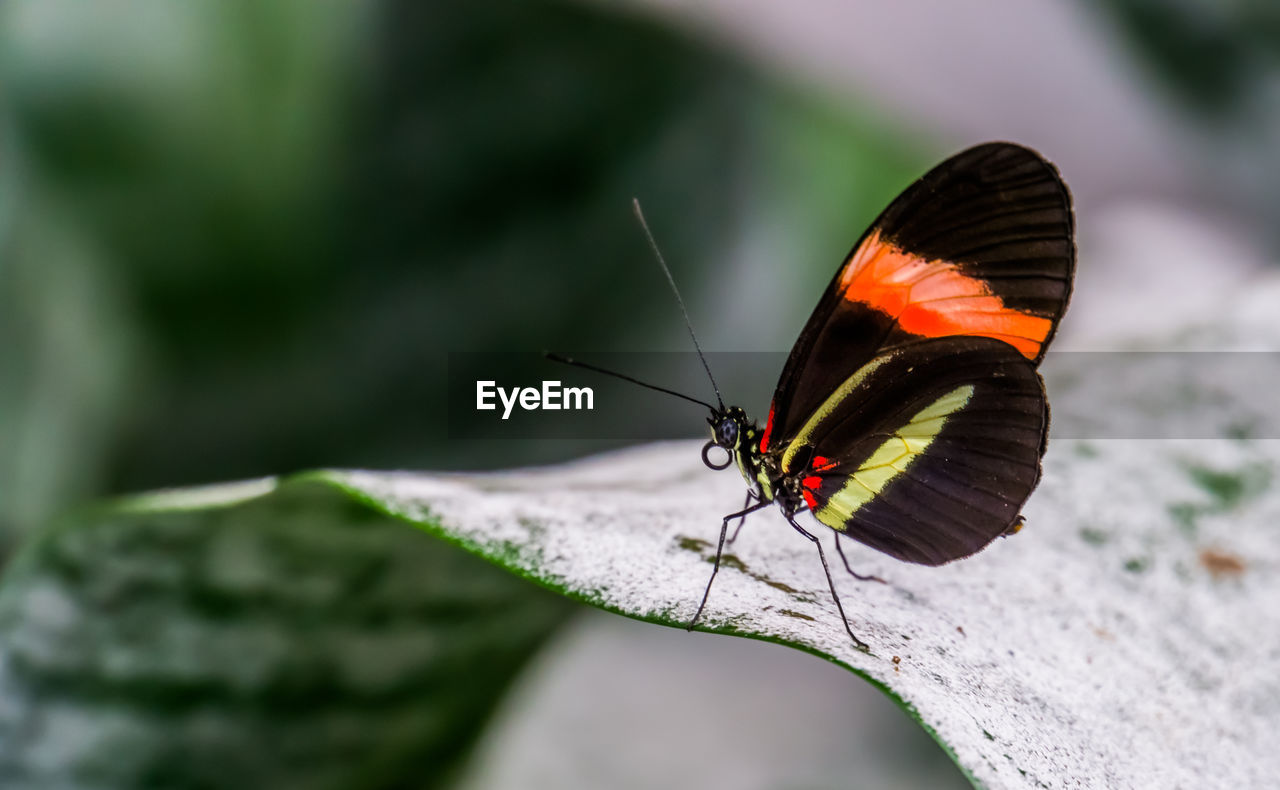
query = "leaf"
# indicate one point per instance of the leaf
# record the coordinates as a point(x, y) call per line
point(252, 636)
point(1099, 644)
point(1103, 643)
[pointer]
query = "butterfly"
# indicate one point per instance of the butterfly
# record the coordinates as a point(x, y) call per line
point(910, 415)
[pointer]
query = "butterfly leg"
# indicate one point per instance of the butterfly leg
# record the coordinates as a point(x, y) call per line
point(724, 528)
point(742, 519)
point(860, 577)
point(827, 570)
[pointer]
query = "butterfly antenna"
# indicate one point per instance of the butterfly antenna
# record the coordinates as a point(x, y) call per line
point(588, 366)
point(657, 253)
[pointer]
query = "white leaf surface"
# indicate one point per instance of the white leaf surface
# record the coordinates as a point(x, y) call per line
point(1126, 637)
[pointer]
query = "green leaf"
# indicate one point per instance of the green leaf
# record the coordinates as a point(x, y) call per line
point(253, 636)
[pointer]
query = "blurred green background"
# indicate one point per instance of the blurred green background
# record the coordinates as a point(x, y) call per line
point(239, 238)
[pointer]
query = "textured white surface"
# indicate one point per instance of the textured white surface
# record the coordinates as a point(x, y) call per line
point(1096, 648)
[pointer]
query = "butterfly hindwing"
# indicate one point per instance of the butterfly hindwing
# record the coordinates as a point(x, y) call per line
point(982, 245)
point(928, 452)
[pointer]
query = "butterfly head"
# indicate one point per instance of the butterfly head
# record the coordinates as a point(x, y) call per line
point(728, 428)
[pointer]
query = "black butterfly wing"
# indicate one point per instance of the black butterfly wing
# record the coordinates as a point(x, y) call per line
point(927, 452)
point(982, 245)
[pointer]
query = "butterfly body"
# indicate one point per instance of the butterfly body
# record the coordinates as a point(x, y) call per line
point(734, 432)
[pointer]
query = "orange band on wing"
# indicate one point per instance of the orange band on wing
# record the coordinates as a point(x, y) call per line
point(935, 299)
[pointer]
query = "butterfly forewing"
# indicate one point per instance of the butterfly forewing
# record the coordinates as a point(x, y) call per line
point(980, 246)
point(928, 452)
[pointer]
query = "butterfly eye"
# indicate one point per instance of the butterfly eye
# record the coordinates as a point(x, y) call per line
point(727, 433)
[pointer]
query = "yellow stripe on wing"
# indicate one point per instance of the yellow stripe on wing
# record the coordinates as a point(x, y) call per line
point(892, 458)
point(828, 406)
